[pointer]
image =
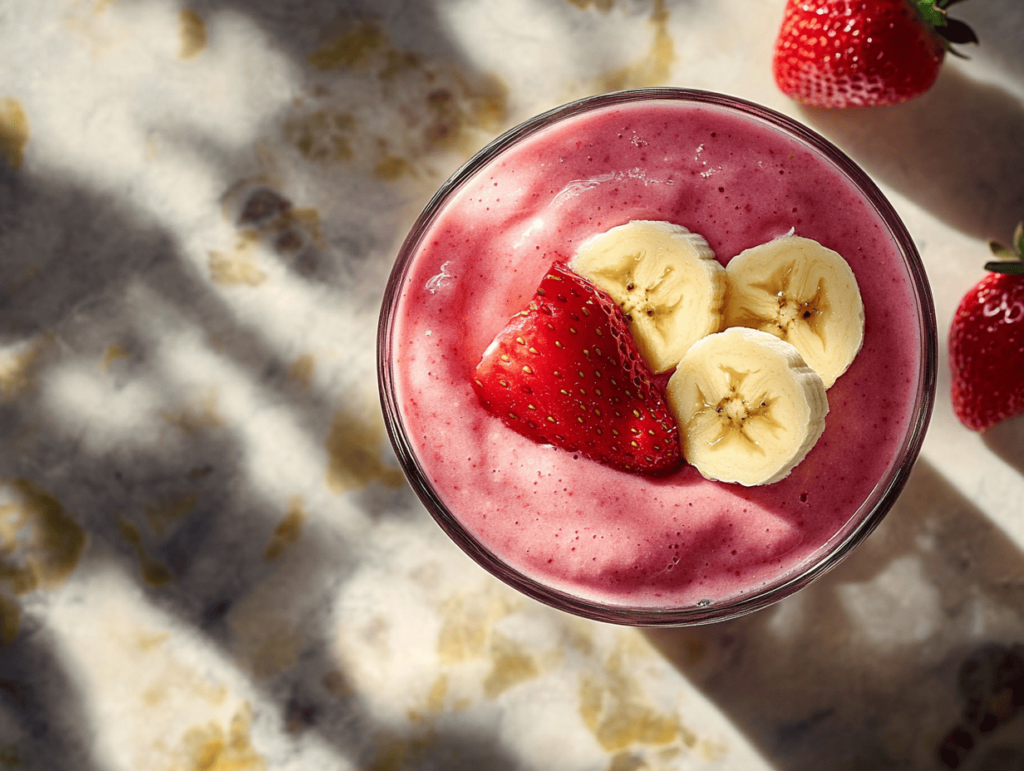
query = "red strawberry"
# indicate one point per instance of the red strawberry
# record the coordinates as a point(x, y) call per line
point(565, 371)
point(986, 343)
point(863, 53)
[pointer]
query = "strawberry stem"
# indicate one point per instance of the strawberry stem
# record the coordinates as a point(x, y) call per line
point(1011, 259)
point(932, 11)
point(1009, 267)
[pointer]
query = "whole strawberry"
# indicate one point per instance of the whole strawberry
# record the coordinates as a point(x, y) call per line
point(986, 343)
point(863, 53)
point(565, 371)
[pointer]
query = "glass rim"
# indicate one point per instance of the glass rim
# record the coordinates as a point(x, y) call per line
point(860, 523)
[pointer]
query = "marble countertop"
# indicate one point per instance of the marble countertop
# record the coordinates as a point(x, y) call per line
point(209, 559)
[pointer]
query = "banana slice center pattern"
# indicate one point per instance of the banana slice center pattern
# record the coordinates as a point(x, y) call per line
point(642, 299)
point(793, 305)
point(801, 292)
point(738, 417)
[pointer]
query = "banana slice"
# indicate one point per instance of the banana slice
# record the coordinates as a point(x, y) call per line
point(802, 292)
point(747, 405)
point(666, 280)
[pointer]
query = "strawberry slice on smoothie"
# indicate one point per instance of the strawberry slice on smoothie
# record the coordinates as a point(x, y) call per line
point(565, 371)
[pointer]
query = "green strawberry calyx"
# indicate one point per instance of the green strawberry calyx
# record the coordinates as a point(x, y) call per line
point(952, 31)
point(1011, 258)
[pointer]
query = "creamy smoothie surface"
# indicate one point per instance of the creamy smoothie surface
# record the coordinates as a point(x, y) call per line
point(584, 528)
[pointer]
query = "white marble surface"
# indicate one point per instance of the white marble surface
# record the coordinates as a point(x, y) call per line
point(208, 558)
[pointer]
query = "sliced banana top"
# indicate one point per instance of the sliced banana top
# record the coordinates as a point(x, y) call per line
point(666, 280)
point(801, 292)
point(748, 407)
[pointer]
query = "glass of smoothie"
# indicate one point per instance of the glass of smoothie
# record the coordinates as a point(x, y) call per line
point(582, 536)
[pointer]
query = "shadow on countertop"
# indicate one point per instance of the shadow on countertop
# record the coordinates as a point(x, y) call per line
point(957, 151)
point(906, 656)
point(73, 253)
point(78, 258)
point(87, 280)
point(1006, 440)
point(43, 726)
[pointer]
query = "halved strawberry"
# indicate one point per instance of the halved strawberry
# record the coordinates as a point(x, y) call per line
point(565, 371)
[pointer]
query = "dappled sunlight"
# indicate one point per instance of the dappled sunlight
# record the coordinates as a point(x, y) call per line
point(891, 625)
point(498, 663)
point(209, 557)
point(897, 608)
point(147, 677)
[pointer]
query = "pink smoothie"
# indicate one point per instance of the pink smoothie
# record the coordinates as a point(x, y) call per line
point(572, 524)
